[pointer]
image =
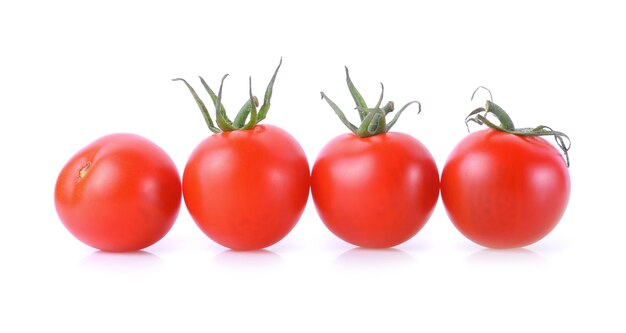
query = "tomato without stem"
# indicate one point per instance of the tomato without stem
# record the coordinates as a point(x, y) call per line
point(503, 190)
point(247, 189)
point(377, 191)
point(120, 193)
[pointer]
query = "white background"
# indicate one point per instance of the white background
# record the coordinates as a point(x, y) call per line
point(71, 72)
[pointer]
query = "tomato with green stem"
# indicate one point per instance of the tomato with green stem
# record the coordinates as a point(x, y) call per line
point(374, 188)
point(246, 185)
point(506, 187)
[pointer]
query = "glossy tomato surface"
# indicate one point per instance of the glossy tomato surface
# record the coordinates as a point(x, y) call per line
point(120, 193)
point(377, 191)
point(502, 190)
point(247, 189)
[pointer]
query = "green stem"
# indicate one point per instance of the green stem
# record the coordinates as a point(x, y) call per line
point(505, 121)
point(389, 107)
point(479, 116)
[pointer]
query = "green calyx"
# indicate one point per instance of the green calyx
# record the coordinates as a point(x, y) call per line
point(247, 112)
point(373, 120)
point(479, 116)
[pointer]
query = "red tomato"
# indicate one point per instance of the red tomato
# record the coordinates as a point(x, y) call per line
point(246, 189)
point(120, 193)
point(377, 191)
point(503, 190)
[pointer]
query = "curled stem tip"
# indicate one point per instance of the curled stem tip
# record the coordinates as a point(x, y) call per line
point(382, 92)
point(484, 88)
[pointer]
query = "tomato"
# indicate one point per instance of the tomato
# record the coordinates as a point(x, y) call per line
point(377, 191)
point(246, 185)
point(374, 188)
point(247, 189)
point(504, 190)
point(120, 193)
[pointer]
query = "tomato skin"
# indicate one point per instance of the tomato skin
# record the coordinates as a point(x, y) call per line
point(502, 190)
point(127, 199)
point(247, 189)
point(375, 192)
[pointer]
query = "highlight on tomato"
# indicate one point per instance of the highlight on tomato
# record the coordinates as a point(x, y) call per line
point(120, 193)
point(246, 185)
point(371, 187)
point(506, 187)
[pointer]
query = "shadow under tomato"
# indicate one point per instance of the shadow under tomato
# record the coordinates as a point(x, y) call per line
point(127, 262)
point(376, 259)
point(516, 256)
point(258, 260)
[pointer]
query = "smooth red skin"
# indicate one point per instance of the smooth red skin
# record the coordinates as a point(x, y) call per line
point(128, 199)
point(247, 189)
point(375, 192)
point(504, 191)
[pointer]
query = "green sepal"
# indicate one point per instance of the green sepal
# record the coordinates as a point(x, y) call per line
point(203, 109)
point(356, 95)
point(339, 113)
point(397, 116)
point(213, 96)
point(253, 112)
point(243, 113)
point(224, 124)
point(222, 120)
point(268, 94)
point(373, 120)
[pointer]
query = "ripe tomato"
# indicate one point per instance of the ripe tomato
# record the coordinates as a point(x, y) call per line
point(246, 189)
point(377, 191)
point(120, 193)
point(246, 185)
point(503, 190)
point(374, 188)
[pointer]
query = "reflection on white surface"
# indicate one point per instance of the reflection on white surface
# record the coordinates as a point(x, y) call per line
point(248, 260)
point(362, 258)
point(131, 262)
point(505, 256)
